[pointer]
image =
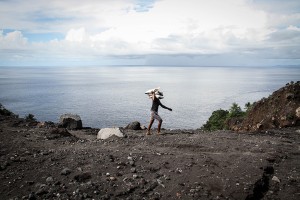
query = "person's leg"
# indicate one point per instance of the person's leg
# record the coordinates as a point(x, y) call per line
point(159, 126)
point(149, 127)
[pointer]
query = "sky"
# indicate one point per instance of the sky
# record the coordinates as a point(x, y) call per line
point(149, 32)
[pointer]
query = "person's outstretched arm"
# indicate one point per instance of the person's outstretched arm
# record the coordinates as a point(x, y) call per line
point(165, 107)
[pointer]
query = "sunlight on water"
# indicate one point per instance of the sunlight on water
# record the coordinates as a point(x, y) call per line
point(114, 96)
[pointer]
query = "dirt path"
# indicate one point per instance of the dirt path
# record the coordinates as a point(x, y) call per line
point(176, 165)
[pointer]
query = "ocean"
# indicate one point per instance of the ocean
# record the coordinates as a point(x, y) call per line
point(115, 96)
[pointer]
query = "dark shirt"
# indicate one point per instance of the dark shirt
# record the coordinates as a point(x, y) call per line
point(155, 104)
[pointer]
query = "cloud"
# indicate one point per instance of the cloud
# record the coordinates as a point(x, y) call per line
point(146, 30)
point(13, 40)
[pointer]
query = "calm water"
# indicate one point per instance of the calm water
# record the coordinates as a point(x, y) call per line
point(114, 96)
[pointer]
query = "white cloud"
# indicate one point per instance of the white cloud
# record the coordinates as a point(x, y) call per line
point(167, 27)
point(77, 35)
point(12, 40)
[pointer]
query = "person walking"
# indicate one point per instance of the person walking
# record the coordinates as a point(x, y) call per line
point(154, 113)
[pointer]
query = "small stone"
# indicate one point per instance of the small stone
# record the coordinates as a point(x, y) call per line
point(65, 171)
point(30, 182)
point(135, 176)
point(31, 196)
point(129, 158)
point(42, 185)
point(131, 163)
point(49, 179)
point(133, 170)
point(41, 191)
point(119, 174)
point(276, 179)
point(112, 178)
point(298, 112)
point(57, 183)
point(22, 159)
point(27, 152)
point(259, 126)
point(160, 182)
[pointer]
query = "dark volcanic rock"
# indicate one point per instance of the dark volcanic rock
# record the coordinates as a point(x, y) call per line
point(83, 177)
point(65, 171)
point(70, 121)
point(60, 131)
point(134, 126)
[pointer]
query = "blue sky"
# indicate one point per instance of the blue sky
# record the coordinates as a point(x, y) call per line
point(141, 32)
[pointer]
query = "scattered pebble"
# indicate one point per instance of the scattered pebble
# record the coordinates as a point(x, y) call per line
point(65, 171)
point(49, 179)
point(276, 179)
point(135, 176)
point(133, 170)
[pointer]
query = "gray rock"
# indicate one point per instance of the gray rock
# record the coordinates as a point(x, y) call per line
point(70, 121)
point(41, 191)
point(49, 179)
point(132, 163)
point(65, 171)
point(133, 170)
point(134, 126)
point(276, 179)
point(83, 177)
point(135, 176)
point(31, 196)
point(60, 132)
point(22, 159)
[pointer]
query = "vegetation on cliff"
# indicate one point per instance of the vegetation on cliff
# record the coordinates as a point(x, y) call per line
point(280, 109)
point(222, 119)
point(5, 112)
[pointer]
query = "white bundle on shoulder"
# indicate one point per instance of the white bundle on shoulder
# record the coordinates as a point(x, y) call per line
point(158, 94)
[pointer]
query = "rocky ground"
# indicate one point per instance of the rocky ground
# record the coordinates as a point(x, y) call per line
point(50, 163)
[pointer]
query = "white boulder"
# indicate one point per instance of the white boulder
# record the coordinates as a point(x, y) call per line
point(108, 132)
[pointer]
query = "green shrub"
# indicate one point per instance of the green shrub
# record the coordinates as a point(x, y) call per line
point(30, 117)
point(235, 111)
point(220, 119)
point(216, 121)
point(4, 111)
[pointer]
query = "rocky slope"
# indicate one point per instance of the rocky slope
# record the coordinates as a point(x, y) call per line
point(41, 161)
point(279, 110)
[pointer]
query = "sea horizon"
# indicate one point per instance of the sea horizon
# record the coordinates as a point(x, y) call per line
point(114, 96)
